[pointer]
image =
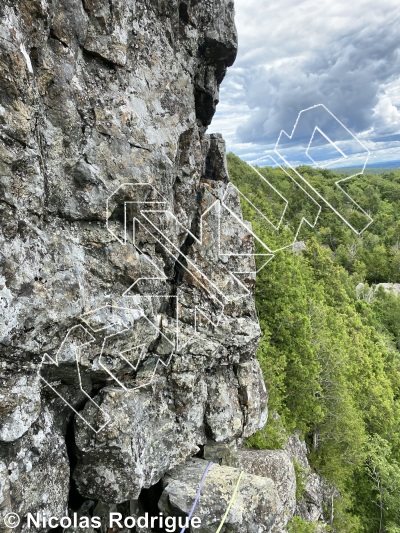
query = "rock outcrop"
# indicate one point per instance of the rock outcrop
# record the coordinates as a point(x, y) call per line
point(128, 328)
point(255, 505)
point(124, 345)
point(310, 506)
point(278, 466)
point(266, 497)
point(364, 291)
point(34, 471)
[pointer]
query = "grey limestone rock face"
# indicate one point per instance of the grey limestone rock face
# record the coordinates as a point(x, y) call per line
point(255, 505)
point(392, 288)
point(104, 107)
point(278, 466)
point(310, 508)
point(134, 451)
point(35, 472)
point(363, 290)
point(20, 396)
point(224, 454)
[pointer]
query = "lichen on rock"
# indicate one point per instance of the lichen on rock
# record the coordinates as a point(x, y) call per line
point(98, 97)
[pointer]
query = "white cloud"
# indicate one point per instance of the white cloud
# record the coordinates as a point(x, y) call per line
point(387, 110)
point(294, 55)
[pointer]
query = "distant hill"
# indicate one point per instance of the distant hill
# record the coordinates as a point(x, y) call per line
point(374, 168)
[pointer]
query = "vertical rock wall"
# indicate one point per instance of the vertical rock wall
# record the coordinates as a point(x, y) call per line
point(122, 352)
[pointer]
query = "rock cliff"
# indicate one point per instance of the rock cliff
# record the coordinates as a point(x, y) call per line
point(128, 328)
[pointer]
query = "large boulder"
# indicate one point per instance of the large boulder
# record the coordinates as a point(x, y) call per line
point(255, 506)
point(278, 466)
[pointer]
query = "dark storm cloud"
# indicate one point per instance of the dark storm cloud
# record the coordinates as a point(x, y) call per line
point(294, 56)
point(346, 77)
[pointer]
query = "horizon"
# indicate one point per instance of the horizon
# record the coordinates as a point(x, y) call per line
point(351, 68)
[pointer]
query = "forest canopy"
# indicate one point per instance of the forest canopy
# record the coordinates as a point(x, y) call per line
point(330, 345)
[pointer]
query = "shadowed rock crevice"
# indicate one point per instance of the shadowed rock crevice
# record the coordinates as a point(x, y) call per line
point(75, 499)
point(183, 12)
point(148, 502)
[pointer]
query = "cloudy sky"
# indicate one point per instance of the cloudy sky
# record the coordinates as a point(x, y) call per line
point(297, 54)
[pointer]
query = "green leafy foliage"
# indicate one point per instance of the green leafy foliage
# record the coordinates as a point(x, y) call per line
point(301, 476)
point(298, 525)
point(329, 356)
